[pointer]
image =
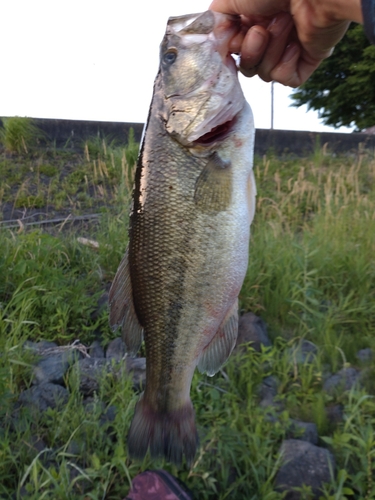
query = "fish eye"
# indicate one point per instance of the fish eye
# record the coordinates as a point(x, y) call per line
point(170, 56)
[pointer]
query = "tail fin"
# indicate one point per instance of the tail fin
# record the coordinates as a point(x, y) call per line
point(168, 434)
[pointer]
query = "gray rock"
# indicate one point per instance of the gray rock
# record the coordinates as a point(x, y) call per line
point(252, 330)
point(107, 414)
point(93, 405)
point(96, 350)
point(343, 380)
point(106, 420)
point(305, 431)
point(89, 372)
point(137, 368)
point(81, 484)
point(267, 390)
point(33, 446)
point(303, 464)
point(42, 397)
point(76, 447)
point(335, 414)
point(51, 369)
point(101, 306)
point(36, 444)
point(116, 349)
point(303, 352)
point(39, 347)
point(365, 355)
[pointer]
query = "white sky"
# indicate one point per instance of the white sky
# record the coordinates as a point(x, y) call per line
point(97, 60)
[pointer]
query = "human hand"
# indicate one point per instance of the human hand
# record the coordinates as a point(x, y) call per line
point(286, 40)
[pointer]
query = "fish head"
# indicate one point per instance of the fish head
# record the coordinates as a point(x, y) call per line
point(197, 79)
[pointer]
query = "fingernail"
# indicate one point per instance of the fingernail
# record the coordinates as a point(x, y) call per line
point(290, 52)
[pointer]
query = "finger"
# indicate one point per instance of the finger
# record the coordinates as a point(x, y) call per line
point(256, 41)
point(287, 71)
point(236, 43)
point(295, 66)
point(226, 6)
point(259, 7)
point(280, 31)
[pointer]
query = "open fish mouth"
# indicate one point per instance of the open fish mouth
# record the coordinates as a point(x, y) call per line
point(218, 133)
point(224, 122)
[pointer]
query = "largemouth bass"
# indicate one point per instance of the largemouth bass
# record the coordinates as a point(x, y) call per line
point(193, 203)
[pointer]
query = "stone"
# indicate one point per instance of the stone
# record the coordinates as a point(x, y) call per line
point(106, 415)
point(52, 368)
point(101, 306)
point(252, 330)
point(81, 484)
point(40, 346)
point(305, 431)
point(343, 380)
point(136, 367)
point(302, 352)
point(42, 397)
point(93, 405)
point(76, 447)
point(36, 446)
point(89, 372)
point(267, 391)
point(334, 414)
point(96, 350)
point(365, 355)
point(303, 464)
point(116, 349)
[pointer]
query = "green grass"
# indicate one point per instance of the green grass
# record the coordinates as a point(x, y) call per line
point(311, 275)
point(19, 134)
point(63, 182)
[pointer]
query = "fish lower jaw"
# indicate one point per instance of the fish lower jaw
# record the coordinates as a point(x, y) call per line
point(217, 133)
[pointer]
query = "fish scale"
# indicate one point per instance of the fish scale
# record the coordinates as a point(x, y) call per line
point(193, 202)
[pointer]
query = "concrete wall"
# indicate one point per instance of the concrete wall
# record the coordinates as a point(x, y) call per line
point(72, 133)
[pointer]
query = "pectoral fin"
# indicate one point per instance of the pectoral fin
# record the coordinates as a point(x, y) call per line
point(213, 189)
point(122, 313)
point(251, 195)
point(221, 346)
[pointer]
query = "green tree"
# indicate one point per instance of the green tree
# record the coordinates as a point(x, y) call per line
point(342, 89)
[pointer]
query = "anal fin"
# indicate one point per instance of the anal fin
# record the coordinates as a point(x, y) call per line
point(122, 313)
point(221, 346)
